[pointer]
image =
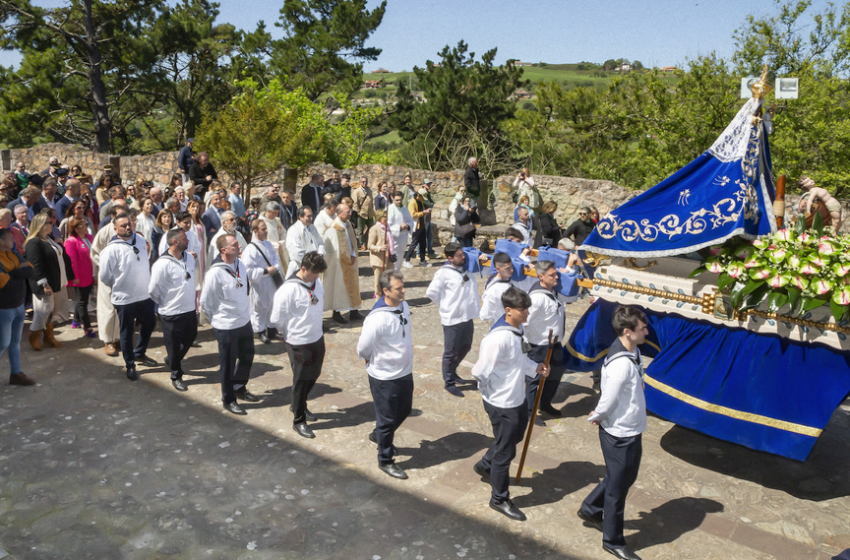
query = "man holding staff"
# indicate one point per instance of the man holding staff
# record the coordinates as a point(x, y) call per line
point(502, 368)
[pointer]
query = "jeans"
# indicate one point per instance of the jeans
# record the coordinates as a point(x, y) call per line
point(418, 240)
point(11, 327)
point(81, 306)
point(429, 239)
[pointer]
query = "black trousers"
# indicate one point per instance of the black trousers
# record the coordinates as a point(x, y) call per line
point(306, 361)
point(178, 332)
point(508, 429)
point(608, 500)
point(417, 239)
point(457, 342)
point(81, 306)
point(393, 402)
point(144, 312)
point(235, 357)
point(556, 372)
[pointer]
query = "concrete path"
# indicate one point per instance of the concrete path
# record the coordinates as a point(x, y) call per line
point(95, 466)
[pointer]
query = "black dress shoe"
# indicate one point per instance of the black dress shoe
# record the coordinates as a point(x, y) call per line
point(245, 395)
point(481, 471)
point(355, 315)
point(588, 520)
point(131, 374)
point(145, 361)
point(309, 416)
point(337, 316)
point(264, 338)
point(394, 471)
point(507, 509)
point(234, 408)
point(179, 385)
point(304, 430)
point(273, 334)
point(624, 553)
point(551, 411)
point(538, 421)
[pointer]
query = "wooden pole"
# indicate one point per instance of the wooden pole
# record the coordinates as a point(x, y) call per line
point(534, 411)
point(779, 203)
point(386, 246)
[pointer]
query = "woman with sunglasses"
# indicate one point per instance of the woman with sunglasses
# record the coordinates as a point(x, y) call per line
point(78, 247)
point(76, 210)
point(164, 221)
point(101, 192)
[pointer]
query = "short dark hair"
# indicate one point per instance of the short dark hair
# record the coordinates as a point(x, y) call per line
point(398, 193)
point(452, 248)
point(172, 234)
point(627, 318)
point(346, 176)
point(255, 225)
point(120, 216)
point(180, 216)
point(516, 298)
point(513, 232)
point(314, 262)
point(303, 211)
point(542, 267)
point(222, 241)
point(386, 277)
point(501, 258)
point(115, 209)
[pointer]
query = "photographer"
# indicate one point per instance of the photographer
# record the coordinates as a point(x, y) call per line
point(466, 216)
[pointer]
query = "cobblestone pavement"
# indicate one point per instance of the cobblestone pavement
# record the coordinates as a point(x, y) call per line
point(95, 466)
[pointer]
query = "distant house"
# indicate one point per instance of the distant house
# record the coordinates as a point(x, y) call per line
point(624, 67)
point(518, 63)
point(522, 94)
point(382, 71)
point(668, 69)
point(373, 84)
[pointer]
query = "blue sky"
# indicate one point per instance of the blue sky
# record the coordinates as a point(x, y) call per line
point(656, 32)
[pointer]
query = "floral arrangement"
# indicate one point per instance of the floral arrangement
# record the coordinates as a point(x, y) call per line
point(802, 269)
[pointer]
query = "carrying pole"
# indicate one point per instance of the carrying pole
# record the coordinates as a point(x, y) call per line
point(779, 203)
point(534, 410)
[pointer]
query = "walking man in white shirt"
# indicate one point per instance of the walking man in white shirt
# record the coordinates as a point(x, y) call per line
point(226, 303)
point(621, 417)
point(261, 261)
point(297, 312)
point(125, 269)
point(456, 294)
point(503, 366)
point(302, 238)
point(491, 300)
point(172, 288)
point(400, 223)
point(385, 343)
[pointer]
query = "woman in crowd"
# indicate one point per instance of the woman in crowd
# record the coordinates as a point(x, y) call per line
point(78, 173)
point(195, 210)
point(51, 214)
point(51, 273)
point(146, 221)
point(91, 205)
point(78, 247)
point(164, 221)
point(381, 199)
point(105, 183)
point(14, 273)
point(466, 216)
point(549, 228)
point(523, 203)
point(76, 210)
point(382, 253)
point(594, 214)
point(176, 181)
point(133, 193)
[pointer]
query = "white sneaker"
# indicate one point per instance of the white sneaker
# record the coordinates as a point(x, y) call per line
point(406, 264)
point(424, 263)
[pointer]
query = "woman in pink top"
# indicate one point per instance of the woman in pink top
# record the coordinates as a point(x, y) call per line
point(78, 247)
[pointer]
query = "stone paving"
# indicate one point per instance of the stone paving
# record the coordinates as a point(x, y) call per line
point(95, 466)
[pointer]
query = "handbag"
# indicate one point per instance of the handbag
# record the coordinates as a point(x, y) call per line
point(277, 277)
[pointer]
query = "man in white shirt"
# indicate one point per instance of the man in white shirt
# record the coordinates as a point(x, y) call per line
point(226, 303)
point(302, 238)
point(297, 313)
point(524, 226)
point(502, 367)
point(48, 193)
point(261, 261)
point(172, 288)
point(400, 223)
point(124, 267)
point(456, 294)
point(491, 300)
point(621, 417)
point(385, 343)
point(546, 313)
point(228, 227)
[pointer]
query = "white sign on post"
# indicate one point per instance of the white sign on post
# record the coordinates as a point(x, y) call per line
point(787, 88)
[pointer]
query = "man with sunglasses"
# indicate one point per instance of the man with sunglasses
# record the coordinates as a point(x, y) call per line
point(172, 288)
point(580, 228)
point(456, 294)
point(124, 267)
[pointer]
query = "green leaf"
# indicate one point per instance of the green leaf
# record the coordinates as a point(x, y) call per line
point(776, 301)
point(752, 285)
point(737, 293)
point(724, 281)
point(837, 310)
point(800, 227)
point(793, 296)
point(756, 297)
point(817, 224)
point(809, 304)
point(697, 271)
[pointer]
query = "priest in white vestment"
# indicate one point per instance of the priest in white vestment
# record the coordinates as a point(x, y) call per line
point(326, 216)
point(400, 223)
point(302, 238)
point(108, 328)
point(276, 234)
point(341, 281)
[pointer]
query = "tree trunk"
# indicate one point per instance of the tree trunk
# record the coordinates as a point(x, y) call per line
point(102, 122)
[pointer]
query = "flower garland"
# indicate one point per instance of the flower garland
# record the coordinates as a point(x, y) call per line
point(800, 268)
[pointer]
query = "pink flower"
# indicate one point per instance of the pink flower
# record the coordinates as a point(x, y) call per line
point(784, 235)
point(799, 282)
point(753, 262)
point(760, 274)
point(744, 252)
point(713, 265)
point(716, 250)
point(822, 286)
point(777, 255)
point(777, 281)
point(805, 236)
point(842, 296)
point(761, 243)
point(735, 270)
point(809, 269)
point(817, 261)
point(826, 248)
point(841, 269)
point(794, 261)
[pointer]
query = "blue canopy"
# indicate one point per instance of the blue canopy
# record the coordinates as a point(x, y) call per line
point(727, 191)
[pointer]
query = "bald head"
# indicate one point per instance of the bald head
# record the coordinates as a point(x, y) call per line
point(343, 212)
point(72, 186)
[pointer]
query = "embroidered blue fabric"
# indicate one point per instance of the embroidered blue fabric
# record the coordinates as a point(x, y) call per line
point(758, 390)
point(514, 250)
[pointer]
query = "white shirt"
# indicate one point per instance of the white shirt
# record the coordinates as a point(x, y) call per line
point(502, 367)
point(525, 230)
point(621, 410)
point(385, 341)
point(125, 271)
point(491, 301)
point(546, 312)
point(457, 299)
point(398, 216)
point(297, 311)
point(144, 227)
point(223, 301)
point(301, 240)
point(323, 221)
point(50, 203)
point(213, 251)
point(252, 258)
point(169, 287)
point(191, 235)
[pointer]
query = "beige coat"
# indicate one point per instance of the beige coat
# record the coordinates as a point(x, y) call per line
point(376, 247)
point(364, 204)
